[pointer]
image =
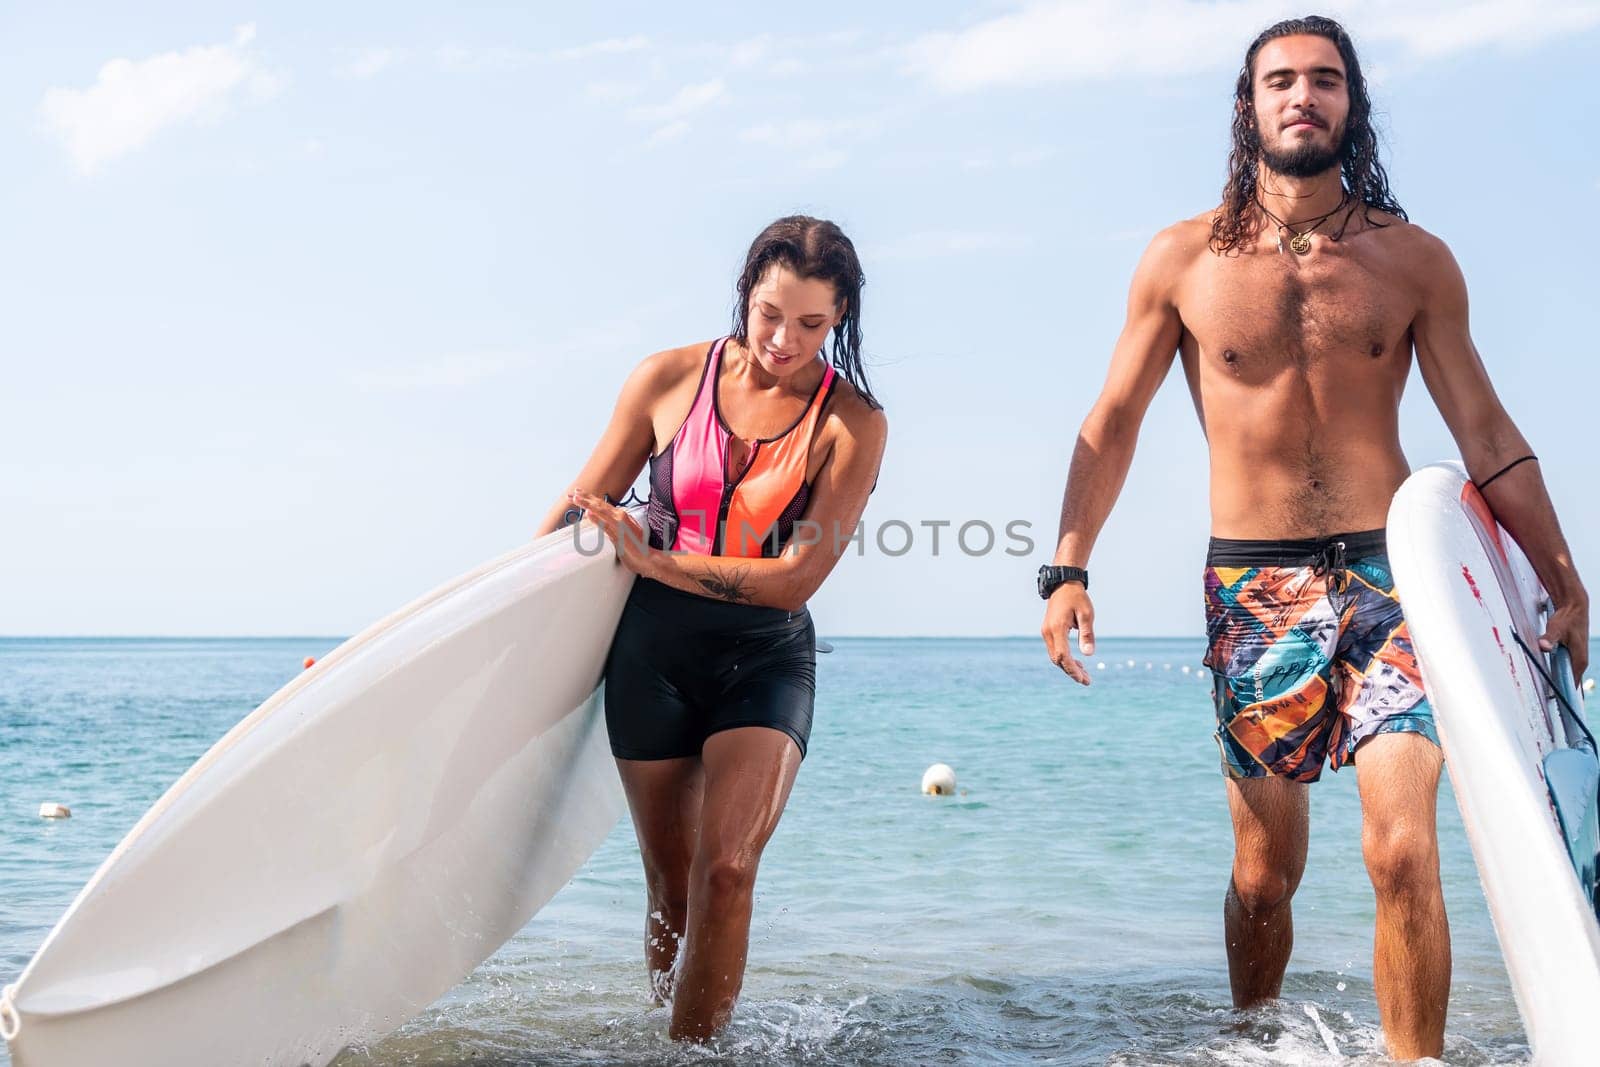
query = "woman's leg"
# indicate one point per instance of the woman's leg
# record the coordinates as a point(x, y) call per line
point(748, 774)
point(664, 800)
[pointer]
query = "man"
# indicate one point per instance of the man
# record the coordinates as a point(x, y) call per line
point(1296, 308)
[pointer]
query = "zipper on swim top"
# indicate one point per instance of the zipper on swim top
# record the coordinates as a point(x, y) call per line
point(719, 533)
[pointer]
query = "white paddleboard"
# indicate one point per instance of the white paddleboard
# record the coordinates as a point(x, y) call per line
point(355, 846)
point(1469, 593)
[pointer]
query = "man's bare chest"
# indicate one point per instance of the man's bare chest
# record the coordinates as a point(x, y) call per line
point(1259, 315)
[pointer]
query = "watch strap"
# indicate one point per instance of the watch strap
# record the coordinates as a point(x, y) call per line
point(1052, 577)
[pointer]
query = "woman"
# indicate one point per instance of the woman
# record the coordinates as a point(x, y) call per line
point(762, 455)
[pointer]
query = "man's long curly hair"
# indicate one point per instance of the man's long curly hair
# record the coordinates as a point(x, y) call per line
point(1238, 219)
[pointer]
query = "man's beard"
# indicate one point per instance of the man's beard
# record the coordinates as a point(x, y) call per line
point(1306, 159)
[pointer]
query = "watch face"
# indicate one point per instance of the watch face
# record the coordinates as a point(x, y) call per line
point(1044, 583)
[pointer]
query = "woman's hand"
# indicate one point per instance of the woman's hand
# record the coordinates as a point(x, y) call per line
point(622, 529)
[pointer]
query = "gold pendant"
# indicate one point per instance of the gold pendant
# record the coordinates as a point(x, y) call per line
point(1301, 243)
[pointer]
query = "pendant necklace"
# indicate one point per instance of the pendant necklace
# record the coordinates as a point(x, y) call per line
point(1300, 242)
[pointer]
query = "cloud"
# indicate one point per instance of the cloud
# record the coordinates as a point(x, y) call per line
point(1088, 39)
point(756, 53)
point(668, 133)
point(1431, 30)
point(1060, 41)
point(749, 52)
point(370, 62)
point(684, 102)
point(611, 46)
point(133, 100)
point(454, 371)
point(673, 115)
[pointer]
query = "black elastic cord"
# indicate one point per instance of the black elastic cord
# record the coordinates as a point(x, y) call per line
point(1485, 483)
point(631, 499)
point(1538, 665)
point(1572, 713)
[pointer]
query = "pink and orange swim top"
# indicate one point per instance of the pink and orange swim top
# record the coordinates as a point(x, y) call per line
point(698, 505)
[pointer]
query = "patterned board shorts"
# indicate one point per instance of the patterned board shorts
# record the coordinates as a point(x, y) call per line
point(1309, 654)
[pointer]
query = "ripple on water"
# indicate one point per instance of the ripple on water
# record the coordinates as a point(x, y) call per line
point(958, 1018)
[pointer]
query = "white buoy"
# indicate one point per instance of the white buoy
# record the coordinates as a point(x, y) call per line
point(1588, 685)
point(1100, 666)
point(1148, 666)
point(939, 780)
point(1130, 663)
point(1185, 668)
point(54, 811)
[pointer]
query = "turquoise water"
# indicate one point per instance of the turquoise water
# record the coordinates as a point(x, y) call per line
point(1065, 907)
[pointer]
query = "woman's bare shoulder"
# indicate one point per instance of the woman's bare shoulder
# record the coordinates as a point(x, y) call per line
point(856, 416)
point(669, 367)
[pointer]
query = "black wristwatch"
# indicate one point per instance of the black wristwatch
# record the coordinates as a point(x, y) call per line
point(1051, 578)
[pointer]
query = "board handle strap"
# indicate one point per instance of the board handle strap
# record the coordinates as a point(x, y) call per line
point(10, 1021)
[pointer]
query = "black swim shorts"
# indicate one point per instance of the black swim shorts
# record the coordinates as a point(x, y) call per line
point(683, 667)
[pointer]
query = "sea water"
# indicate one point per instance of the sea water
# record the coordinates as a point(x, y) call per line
point(1065, 906)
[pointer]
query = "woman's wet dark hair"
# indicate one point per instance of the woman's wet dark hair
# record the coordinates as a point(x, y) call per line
point(811, 248)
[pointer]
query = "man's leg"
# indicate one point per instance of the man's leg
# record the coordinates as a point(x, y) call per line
point(749, 772)
point(1271, 825)
point(664, 800)
point(1399, 778)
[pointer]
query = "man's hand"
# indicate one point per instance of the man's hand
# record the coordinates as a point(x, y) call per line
point(1569, 626)
point(1068, 609)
